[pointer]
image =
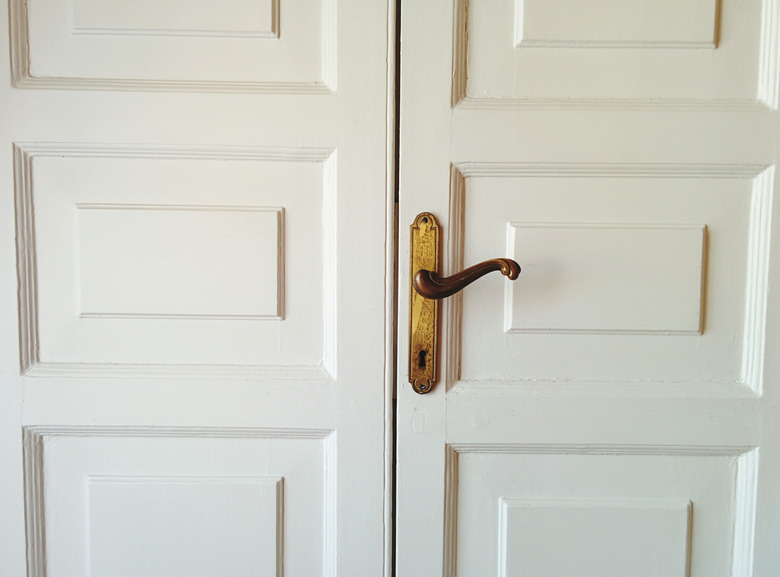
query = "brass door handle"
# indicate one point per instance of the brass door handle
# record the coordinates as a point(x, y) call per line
point(425, 291)
point(430, 285)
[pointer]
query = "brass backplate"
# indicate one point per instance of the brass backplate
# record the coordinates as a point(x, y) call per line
point(423, 312)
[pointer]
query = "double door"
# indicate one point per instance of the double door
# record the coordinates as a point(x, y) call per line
point(205, 339)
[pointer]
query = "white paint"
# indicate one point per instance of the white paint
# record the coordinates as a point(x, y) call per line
point(617, 23)
point(189, 241)
point(179, 261)
point(184, 525)
point(610, 538)
point(606, 278)
point(183, 225)
point(648, 53)
point(616, 289)
point(586, 401)
point(199, 17)
point(239, 45)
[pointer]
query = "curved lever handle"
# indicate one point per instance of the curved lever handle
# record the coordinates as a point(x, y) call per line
point(430, 285)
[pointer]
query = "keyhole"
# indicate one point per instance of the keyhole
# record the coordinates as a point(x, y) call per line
point(421, 359)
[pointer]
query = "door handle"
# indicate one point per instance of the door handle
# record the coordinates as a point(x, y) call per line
point(430, 285)
point(426, 289)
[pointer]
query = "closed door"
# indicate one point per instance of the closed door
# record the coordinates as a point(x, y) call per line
point(197, 354)
point(613, 411)
point(195, 382)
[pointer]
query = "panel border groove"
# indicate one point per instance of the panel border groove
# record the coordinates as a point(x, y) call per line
point(30, 363)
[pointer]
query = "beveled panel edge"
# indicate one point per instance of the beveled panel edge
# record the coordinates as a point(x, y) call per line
point(453, 261)
point(178, 371)
point(769, 57)
point(757, 288)
point(607, 450)
point(450, 512)
point(745, 513)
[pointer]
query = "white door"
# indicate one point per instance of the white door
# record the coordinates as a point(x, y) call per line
point(194, 218)
point(614, 411)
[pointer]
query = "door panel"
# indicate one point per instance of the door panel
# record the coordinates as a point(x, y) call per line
point(240, 46)
point(200, 229)
point(614, 407)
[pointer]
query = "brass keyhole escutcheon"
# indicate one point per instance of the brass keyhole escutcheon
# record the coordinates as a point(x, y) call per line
point(427, 289)
point(424, 322)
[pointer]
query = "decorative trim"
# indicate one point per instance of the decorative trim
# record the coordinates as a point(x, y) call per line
point(34, 486)
point(330, 263)
point(745, 514)
point(757, 288)
point(21, 75)
point(330, 507)
point(769, 58)
point(460, 50)
point(26, 260)
point(635, 450)
point(613, 104)
point(30, 362)
point(607, 170)
point(329, 45)
point(159, 151)
point(280, 527)
point(179, 371)
point(613, 44)
point(453, 311)
point(637, 389)
point(34, 434)
point(450, 512)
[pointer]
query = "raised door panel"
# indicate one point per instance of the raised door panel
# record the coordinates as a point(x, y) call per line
point(603, 50)
point(176, 260)
point(240, 45)
point(519, 515)
point(118, 501)
point(665, 265)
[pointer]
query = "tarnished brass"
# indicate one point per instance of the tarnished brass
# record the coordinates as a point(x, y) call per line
point(426, 289)
point(429, 284)
point(424, 312)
